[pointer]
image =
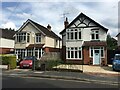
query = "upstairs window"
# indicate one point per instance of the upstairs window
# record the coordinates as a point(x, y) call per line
point(95, 35)
point(73, 34)
point(38, 38)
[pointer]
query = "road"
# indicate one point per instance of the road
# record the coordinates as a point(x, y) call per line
point(35, 82)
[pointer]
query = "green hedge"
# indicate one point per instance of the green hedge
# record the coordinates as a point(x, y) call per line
point(8, 60)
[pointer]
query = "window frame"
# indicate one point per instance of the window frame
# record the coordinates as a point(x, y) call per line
point(94, 33)
point(78, 50)
point(101, 49)
point(72, 32)
point(37, 38)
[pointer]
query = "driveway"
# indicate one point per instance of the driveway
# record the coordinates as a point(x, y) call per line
point(91, 69)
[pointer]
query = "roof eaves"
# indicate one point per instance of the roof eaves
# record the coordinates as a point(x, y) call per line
point(81, 14)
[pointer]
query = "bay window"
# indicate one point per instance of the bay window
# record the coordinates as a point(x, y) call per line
point(74, 53)
point(22, 37)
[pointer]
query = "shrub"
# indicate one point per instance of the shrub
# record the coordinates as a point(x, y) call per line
point(8, 60)
point(49, 64)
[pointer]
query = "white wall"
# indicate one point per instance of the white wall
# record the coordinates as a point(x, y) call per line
point(6, 43)
point(49, 42)
point(119, 40)
point(85, 34)
point(30, 28)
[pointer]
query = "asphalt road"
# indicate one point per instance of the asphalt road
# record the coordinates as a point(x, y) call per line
point(34, 82)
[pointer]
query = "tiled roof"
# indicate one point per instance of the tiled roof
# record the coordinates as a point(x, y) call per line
point(45, 30)
point(35, 45)
point(95, 43)
point(7, 34)
point(117, 34)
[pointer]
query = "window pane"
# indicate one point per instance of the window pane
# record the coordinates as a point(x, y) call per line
point(68, 54)
point(75, 35)
point(102, 53)
point(68, 36)
point(93, 36)
point(75, 54)
point(97, 36)
point(79, 54)
point(80, 35)
point(28, 38)
point(71, 35)
point(72, 54)
point(91, 52)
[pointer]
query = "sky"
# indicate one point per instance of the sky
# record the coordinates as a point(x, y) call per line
point(14, 14)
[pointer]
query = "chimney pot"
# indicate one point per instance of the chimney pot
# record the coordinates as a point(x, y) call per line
point(49, 27)
point(66, 22)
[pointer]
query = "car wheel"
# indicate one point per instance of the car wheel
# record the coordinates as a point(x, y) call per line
point(114, 69)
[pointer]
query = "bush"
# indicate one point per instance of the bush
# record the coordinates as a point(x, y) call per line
point(49, 64)
point(8, 60)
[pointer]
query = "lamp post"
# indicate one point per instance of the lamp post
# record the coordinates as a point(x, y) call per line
point(33, 35)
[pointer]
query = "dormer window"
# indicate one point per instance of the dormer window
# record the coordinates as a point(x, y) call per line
point(95, 35)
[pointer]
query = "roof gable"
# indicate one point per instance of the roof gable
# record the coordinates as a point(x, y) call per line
point(117, 34)
point(41, 29)
point(84, 21)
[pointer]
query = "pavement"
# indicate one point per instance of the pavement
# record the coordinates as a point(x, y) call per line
point(90, 73)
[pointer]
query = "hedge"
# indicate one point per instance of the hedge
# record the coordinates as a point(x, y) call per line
point(8, 60)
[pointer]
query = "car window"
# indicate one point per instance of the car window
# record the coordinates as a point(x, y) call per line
point(117, 57)
point(29, 58)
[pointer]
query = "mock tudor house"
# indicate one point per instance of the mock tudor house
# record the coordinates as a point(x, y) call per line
point(33, 36)
point(118, 36)
point(6, 41)
point(84, 41)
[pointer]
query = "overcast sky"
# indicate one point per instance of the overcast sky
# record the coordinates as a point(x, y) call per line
point(15, 13)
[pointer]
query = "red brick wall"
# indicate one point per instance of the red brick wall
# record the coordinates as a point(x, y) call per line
point(63, 55)
point(49, 49)
point(74, 61)
point(5, 50)
point(86, 55)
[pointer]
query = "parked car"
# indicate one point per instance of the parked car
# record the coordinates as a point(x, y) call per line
point(116, 62)
point(27, 62)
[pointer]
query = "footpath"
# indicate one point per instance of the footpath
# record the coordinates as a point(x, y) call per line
point(90, 74)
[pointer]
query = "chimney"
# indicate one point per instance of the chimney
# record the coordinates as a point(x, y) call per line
point(66, 22)
point(49, 27)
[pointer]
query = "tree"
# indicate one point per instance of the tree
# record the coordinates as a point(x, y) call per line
point(111, 43)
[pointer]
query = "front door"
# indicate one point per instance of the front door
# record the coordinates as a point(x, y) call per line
point(96, 57)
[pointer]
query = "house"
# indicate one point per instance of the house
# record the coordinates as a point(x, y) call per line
point(84, 41)
point(118, 49)
point(6, 41)
point(32, 36)
point(118, 36)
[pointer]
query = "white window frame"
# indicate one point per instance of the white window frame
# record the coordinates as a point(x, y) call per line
point(94, 32)
point(73, 31)
point(38, 37)
point(99, 48)
point(78, 49)
point(23, 36)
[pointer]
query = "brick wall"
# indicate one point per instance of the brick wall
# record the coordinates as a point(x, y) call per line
point(5, 50)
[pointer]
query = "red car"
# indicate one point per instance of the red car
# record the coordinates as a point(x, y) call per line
point(27, 62)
